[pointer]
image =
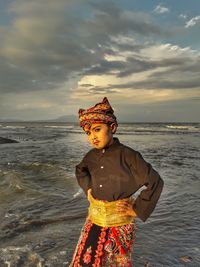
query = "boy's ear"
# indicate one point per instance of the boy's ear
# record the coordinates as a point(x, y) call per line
point(113, 128)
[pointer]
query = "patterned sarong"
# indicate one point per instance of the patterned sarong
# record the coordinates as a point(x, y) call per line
point(104, 246)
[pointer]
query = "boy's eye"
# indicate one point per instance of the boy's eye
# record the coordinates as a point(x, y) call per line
point(96, 130)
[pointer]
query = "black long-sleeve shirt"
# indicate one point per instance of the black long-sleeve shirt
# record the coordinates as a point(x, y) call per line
point(117, 172)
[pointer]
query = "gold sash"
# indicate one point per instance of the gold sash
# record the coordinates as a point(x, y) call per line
point(105, 214)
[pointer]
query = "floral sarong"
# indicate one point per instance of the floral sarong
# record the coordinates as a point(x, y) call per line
point(104, 246)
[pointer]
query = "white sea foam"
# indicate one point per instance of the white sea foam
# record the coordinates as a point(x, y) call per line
point(80, 191)
point(8, 215)
point(13, 126)
point(13, 248)
point(164, 148)
point(182, 127)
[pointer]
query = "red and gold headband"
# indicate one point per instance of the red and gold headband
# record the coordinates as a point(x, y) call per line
point(100, 113)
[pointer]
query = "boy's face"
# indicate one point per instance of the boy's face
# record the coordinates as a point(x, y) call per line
point(100, 135)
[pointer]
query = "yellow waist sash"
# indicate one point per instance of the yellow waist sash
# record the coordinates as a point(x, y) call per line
point(105, 213)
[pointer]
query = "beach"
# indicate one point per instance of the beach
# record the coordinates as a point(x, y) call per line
point(43, 209)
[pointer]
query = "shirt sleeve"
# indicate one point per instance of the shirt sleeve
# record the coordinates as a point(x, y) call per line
point(83, 175)
point(148, 198)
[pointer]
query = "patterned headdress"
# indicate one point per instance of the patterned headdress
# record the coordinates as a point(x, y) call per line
point(100, 113)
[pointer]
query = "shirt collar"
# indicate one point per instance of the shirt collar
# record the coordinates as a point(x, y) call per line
point(115, 143)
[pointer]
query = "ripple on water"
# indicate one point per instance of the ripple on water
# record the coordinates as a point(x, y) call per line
point(18, 256)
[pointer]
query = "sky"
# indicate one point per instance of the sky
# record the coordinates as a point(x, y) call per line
point(59, 56)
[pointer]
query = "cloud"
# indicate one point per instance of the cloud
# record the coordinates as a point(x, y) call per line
point(40, 46)
point(156, 67)
point(31, 104)
point(43, 48)
point(137, 59)
point(183, 16)
point(52, 57)
point(192, 22)
point(159, 9)
point(153, 83)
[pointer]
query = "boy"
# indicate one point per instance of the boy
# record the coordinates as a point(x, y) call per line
point(110, 174)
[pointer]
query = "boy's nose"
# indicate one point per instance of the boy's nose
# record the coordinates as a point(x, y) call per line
point(92, 137)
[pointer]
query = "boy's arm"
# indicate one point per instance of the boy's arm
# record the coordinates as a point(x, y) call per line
point(83, 176)
point(148, 198)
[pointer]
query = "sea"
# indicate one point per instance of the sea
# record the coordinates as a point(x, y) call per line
point(42, 208)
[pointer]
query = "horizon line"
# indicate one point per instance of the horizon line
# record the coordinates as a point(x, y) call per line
point(52, 121)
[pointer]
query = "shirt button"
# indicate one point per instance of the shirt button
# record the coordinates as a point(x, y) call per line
point(100, 185)
point(101, 167)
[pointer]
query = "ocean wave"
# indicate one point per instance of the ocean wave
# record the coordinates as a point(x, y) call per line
point(11, 181)
point(147, 131)
point(78, 193)
point(183, 127)
point(154, 129)
point(154, 132)
point(134, 128)
point(59, 126)
point(12, 126)
point(30, 255)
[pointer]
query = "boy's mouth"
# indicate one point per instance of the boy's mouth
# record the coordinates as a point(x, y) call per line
point(96, 142)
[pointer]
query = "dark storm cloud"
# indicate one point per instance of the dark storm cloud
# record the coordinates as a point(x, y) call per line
point(105, 66)
point(111, 19)
point(46, 48)
point(135, 65)
point(171, 79)
point(124, 68)
point(86, 85)
point(100, 91)
point(177, 72)
point(151, 83)
point(176, 64)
